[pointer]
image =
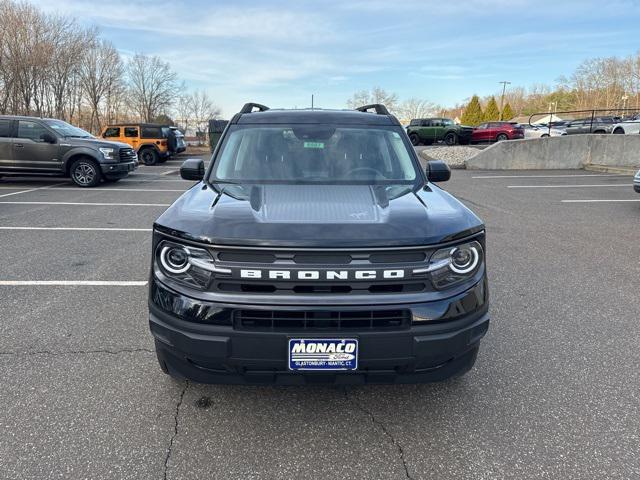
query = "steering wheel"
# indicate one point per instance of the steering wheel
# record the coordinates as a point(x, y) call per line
point(364, 169)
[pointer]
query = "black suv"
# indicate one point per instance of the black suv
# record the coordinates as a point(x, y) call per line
point(315, 249)
point(46, 146)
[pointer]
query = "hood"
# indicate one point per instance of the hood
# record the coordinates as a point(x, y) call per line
point(93, 143)
point(318, 215)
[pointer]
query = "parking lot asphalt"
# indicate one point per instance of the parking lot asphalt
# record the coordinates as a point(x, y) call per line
point(555, 392)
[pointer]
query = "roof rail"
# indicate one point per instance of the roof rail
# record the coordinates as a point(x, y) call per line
point(248, 107)
point(378, 107)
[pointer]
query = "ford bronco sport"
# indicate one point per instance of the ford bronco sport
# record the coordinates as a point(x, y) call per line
point(315, 249)
point(46, 146)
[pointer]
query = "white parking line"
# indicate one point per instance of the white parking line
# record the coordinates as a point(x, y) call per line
point(80, 229)
point(141, 180)
point(91, 204)
point(100, 189)
point(169, 172)
point(552, 176)
point(625, 185)
point(31, 189)
point(602, 201)
point(67, 283)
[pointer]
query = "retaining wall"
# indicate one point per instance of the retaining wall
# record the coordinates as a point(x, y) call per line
point(566, 152)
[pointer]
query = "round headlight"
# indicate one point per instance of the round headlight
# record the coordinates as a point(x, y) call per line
point(174, 259)
point(464, 259)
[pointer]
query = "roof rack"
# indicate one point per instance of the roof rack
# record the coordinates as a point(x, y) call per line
point(248, 107)
point(378, 107)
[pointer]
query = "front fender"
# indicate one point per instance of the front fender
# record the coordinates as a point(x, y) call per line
point(84, 151)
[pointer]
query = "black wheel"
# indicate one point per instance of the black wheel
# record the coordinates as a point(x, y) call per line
point(544, 135)
point(415, 139)
point(451, 138)
point(149, 156)
point(85, 173)
point(501, 137)
point(619, 131)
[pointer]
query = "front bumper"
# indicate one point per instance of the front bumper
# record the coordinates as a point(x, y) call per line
point(441, 342)
point(636, 187)
point(118, 170)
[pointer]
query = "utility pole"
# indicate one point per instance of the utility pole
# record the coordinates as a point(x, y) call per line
point(312, 101)
point(504, 87)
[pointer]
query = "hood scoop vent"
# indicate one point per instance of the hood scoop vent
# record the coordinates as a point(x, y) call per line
point(318, 204)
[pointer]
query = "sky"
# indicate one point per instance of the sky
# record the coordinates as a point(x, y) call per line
point(279, 52)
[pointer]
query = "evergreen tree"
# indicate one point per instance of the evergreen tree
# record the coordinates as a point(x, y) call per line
point(472, 114)
point(492, 112)
point(507, 113)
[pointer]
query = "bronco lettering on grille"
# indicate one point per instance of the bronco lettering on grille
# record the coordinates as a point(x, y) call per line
point(395, 274)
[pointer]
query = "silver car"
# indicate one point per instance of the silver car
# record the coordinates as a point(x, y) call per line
point(540, 131)
point(631, 125)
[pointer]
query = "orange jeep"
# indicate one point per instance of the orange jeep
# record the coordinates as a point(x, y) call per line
point(147, 139)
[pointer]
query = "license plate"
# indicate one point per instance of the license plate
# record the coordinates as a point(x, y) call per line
point(323, 354)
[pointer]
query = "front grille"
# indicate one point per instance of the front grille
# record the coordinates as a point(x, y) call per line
point(347, 260)
point(323, 320)
point(320, 288)
point(128, 155)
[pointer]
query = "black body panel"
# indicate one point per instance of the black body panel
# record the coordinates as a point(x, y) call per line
point(269, 216)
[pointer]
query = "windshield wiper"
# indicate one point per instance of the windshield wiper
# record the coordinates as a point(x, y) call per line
point(226, 182)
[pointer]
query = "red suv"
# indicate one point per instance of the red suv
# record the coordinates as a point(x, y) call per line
point(496, 131)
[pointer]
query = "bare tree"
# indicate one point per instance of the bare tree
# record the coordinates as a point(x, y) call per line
point(375, 95)
point(416, 108)
point(183, 110)
point(69, 44)
point(202, 109)
point(153, 86)
point(100, 74)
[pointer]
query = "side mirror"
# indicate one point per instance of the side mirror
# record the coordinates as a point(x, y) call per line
point(438, 171)
point(48, 138)
point(192, 169)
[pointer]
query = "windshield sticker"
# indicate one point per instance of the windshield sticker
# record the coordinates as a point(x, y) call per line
point(313, 144)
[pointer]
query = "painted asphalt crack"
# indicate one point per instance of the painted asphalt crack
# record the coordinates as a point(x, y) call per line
point(176, 418)
point(382, 427)
point(78, 352)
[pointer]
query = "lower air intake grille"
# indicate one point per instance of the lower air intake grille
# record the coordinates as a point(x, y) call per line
point(318, 321)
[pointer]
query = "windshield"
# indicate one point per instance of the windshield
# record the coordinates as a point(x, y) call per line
point(328, 154)
point(66, 130)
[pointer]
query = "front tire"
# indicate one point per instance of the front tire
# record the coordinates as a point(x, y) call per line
point(502, 137)
point(415, 139)
point(149, 157)
point(619, 131)
point(451, 139)
point(85, 173)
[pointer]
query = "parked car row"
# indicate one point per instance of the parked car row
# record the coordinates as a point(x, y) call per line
point(46, 146)
point(600, 125)
point(432, 130)
point(428, 131)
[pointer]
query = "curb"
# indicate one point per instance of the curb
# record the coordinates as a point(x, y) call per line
point(593, 167)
